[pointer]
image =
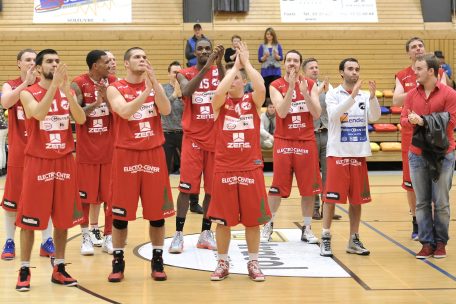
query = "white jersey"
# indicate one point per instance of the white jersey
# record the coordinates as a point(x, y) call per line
point(348, 134)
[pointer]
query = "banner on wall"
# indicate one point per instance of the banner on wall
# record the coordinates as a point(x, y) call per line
point(82, 11)
point(339, 11)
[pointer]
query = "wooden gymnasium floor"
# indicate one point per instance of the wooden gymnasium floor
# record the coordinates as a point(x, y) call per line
point(391, 274)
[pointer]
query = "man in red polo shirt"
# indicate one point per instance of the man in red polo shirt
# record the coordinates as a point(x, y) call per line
point(429, 97)
point(405, 82)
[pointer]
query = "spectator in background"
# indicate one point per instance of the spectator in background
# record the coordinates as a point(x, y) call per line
point(268, 125)
point(112, 62)
point(270, 55)
point(191, 44)
point(446, 67)
point(3, 134)
point(172, 126)
point(230, 53)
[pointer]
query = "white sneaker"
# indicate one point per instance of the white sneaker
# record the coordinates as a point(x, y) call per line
point(266, 233)
point(325, 245)
point(107, 244)
point(308, 236)
point(355, 246)
point(206, 240)
point(95, 236)
point(177, 244)
point(86, 246)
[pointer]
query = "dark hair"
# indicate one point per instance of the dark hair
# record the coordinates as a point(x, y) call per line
point(342, 63)
point(268, 102)
point(293, 52)
point(407, 44)
point(197, 26)
point(439, 54)
point(230, 65)
point(235, 36)
point(127, 54)
point(431, 63)
point(40, 55)
point(93, 56)
point(174, 63)
point(307, 60)
point(22, 52)
point(274, 36)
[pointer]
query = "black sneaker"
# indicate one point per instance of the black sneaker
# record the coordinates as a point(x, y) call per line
point(23, 281)
point(196, 208)
point(158, 269)
point(118, 267)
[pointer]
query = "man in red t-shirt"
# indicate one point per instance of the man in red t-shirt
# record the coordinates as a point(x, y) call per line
point(198, 84)
point(49, 187)
point(239, 194)
point(17, 139)
point(139, 163)
point(405, 82)
point(95, 144)
point(295, 151)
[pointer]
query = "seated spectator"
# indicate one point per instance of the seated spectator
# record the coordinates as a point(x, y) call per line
point(268, 125)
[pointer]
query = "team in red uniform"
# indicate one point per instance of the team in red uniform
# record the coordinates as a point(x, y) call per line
point(94, 149)
point(139, 164)
point(405, 82)
point(239, 194)
point(17, 139)
point(198, 84)
point(297, 104)
point(50, 185)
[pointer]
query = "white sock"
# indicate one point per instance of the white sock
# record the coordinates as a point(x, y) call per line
point(25, 264)
point(10, 224)
point(325, 231)
point(253, 256)
point(59, 261)
point(307, 221)
point(47, 233)
point(223, 257)
point(94, 226)
point(85, 230)
point(157, 247)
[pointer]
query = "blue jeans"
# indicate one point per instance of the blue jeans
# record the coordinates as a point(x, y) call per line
point(432, 229)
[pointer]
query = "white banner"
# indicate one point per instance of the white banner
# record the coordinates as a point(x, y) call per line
point(340, 11)
point(82, 11)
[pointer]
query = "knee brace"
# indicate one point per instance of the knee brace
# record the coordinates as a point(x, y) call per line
point(157, 224)
point(119, 224)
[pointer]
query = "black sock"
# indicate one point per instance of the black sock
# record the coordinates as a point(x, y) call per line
point(118, 254)
point(180, 222)
point(206, 224)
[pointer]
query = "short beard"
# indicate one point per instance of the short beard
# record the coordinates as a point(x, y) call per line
point(48, 76)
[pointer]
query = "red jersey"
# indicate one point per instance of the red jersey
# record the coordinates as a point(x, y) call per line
point(237, 130)
point(51, 137)
point(407, 78)
point(17, 134)
point(298, 124)
point(96, 136)
point(143, 130)
point(198, 116)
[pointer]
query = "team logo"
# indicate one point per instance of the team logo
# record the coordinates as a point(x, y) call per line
point(98, 123)
point(296, 122)
point(362, 105)
point(238, 142)
point(144, 130)
point(55, 142)
point(65, 105)
point(205, 113)
point(246, 106)
point(97, 126)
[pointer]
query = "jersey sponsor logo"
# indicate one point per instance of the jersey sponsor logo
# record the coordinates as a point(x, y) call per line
point(184, 185)
point(101, 110)
point(119, 211)
point(55, 142)
point(244, 122)
point(36, 93)
point(50, 176)
point(246, 106)
point(333, 195)
point(362, 105)
point(205, 113)
point(97, 126)
point(296, 122)
point(296, 151)
point(218, 220)
point(64, 103)
point(147, 110)
point(55, 122)
point(238, 142)
point(20, 113)
point(348, 161)
point(144, 130)
point(215, 72)
point(88, 95)
point(203, 97)
point(82, 194)
point(141, 168)
point(298, 106)
point(241, 180)
point(9, 204)
point(274, 190)
point(30, 221)
point(215, 82)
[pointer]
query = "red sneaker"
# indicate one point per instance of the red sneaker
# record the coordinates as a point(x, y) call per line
point(440, 252)
point(158, 270)
point(60, 276)
point(425, 252)
point(117, 274)
point(221, 272)
point(23, 281)
point(255, 273)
